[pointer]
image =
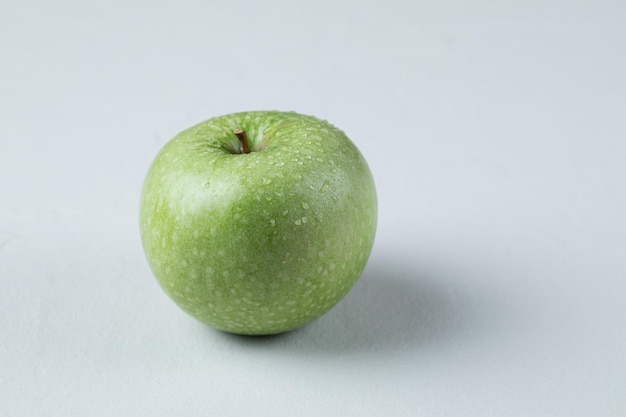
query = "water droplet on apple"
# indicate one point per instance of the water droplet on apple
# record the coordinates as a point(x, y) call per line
point(324, 186)
point(207, 184)
point(334, 198)
point(273, 222)
point(305, 205)
point(298, 222)
point(304, 220)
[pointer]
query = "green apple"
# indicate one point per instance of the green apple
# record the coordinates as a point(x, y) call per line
point(259, 222)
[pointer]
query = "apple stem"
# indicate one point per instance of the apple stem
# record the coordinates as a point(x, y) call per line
point(243, 140)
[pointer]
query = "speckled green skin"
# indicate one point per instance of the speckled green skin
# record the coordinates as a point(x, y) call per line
point(264, 242)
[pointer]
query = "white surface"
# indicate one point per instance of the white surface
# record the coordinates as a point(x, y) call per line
point(496, 134)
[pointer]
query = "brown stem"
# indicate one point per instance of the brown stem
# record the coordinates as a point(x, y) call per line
point(243, 140)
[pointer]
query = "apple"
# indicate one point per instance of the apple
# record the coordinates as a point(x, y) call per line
point(258, 222)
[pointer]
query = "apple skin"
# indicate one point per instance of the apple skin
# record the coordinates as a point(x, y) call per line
point(262, 242)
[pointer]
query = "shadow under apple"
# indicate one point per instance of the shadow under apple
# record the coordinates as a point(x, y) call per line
point(393, 307)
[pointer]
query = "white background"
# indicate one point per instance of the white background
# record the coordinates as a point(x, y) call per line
point(496, 132)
